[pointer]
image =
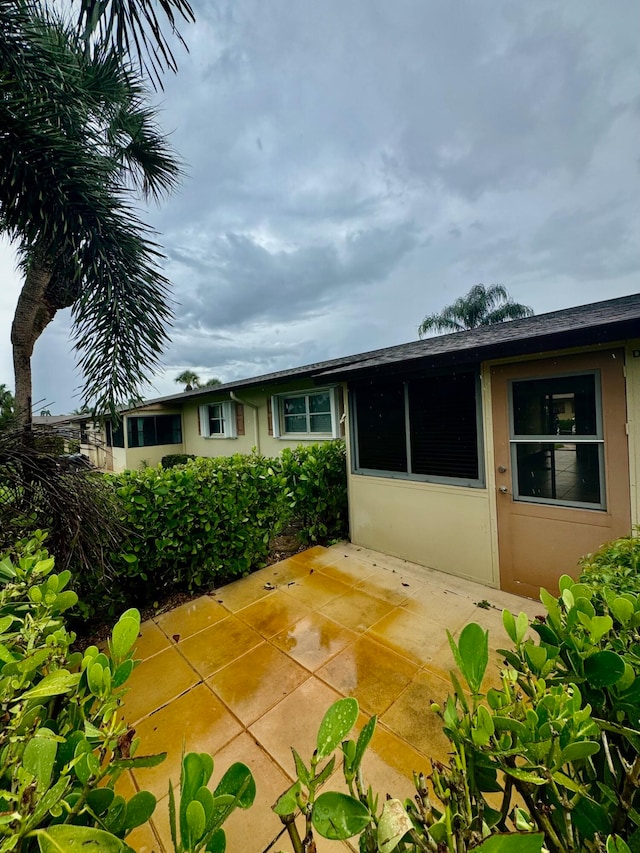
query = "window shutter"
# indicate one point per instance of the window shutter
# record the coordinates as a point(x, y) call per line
point(269, 416)
point(239, 419)
point(199, 420)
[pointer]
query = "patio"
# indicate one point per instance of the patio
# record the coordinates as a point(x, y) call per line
point(249, 671)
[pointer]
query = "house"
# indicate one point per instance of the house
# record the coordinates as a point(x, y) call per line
point(500, 454)
point(78, 434)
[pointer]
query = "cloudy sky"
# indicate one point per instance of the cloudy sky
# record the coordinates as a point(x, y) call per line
point(353, 166)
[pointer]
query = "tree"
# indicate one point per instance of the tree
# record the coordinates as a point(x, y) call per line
point(211, 383)
point(481, 306)
point(7, 407)
point(189, 379)
point(76, 138)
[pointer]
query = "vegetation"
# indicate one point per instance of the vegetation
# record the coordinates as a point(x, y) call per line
point(62, 744)
point(7, 408)
point(615, 566)
point(173, 459)
point(191, 381)
point(550, 757)
point(481, 306)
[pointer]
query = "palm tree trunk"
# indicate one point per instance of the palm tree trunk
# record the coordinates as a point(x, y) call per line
point(32, 316)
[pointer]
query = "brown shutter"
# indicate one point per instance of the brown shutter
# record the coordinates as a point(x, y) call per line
point(199, 421)
point(269, 416)
point(239, 419)
point(342, 420)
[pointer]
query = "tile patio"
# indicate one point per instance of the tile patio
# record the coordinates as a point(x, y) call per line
point(248, 671)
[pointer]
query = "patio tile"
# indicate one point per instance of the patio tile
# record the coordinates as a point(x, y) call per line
point(356, 610)
point(389, 586)
point(409, 634)
point(155, 682)
point(442, 607)
point(315, 589)
point(198, 719)
point(348, 570)
point(313, 640)
point(411, 718)
point(315, 557)
point(217, 646)
point(294, 722)
point(191, 617)
point(143, 839)
point(151, 640)
point(274, 614)
point(254, 683)
point(234, 596)
point(389, 763)
point(371, 673)
point(285, 572)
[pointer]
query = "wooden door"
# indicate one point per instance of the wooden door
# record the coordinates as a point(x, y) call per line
point(562, 465)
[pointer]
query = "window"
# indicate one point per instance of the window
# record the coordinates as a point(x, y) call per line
point(153, 430)
point(422, 428)
point(218, 420)
point(313, 413)
point(557, 441)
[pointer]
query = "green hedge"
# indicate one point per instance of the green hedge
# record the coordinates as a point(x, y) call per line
point(210, 520)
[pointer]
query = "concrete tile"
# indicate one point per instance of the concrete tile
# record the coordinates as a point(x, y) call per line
point(274, 614)
point(314, 640)
point(294, 722)
point(444, 608)
point(238, 594)
point(216, 647)
point(392, 587)
point(411, 718)
point(315, 557)
point(408, 634)
point(198, 719)
point(315, 589)
point(356, 610)
point(143, 838)
point(256, 682)
point(285, 572)
point(348, 570)
point(372, 673)
point(389, 763)
point(155, 682)
point(151, 640)
point(190, 618)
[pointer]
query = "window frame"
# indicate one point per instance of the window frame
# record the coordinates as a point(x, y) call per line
point(129, 429)
point(229, 428)
point(409, 475)
point(278, 416)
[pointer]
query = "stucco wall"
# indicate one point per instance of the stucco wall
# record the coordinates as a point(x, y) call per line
point(119, 458)
point(267, 444)
point(633, 420)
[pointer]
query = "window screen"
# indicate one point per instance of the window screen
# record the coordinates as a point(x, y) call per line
point(381, 431)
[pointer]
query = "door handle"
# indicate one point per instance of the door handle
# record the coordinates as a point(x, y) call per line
point(504, 490)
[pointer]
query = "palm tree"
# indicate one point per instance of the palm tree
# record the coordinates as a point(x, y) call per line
point(76, 138)
point(189, 379)
point(481, 306)
point(212, 383)
point(7, 407)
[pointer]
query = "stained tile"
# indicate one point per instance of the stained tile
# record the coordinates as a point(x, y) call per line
point(155, 682)
point(198, 719)
point(314, 640)
point(285, 572)
point(238, 594)
point(356, 610)
point(273, 614)
point(215, 647)
point(191, 617)
point(151, 640)
point(389, 763)
point(441, 607)
point(315, 557)
point(409, 634)
point(294, 723)
point(348, 570)
point(143, 839)
point(373, 674)
point(257, 681)
point(389, 586)
point(315, 589)
point(411, 718)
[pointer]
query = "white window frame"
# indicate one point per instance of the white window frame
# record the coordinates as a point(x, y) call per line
point(278, 421)
point(228, 419)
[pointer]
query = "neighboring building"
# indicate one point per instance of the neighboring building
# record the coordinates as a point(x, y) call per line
point(500, 454)
point(79, 434)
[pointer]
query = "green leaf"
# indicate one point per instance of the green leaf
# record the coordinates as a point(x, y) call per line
point(139, 761)
point(393, 825)
point(218, 842)
point(600, 625)
point(63, 838)
point(303, 774)
point(513, 842)
point(471, 654)
point(578, 751)
point(5, 623)
point(58, 682)
point(139, 809)
point(196, 822)
point(39, 757)
point(287, 803)
point(603, 668)
point(525, 775)
point(239, 782)
point(124, 634)
point(622, 609)
point(615, 844)
point(336, 725)
point(364, 739)
point(338, 816)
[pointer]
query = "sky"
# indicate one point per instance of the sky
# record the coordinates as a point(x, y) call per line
point(353, 166)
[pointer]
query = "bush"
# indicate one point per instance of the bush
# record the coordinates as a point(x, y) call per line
point(173, 459)
point(615, 566)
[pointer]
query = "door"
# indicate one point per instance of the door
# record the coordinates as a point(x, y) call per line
point(562, 466)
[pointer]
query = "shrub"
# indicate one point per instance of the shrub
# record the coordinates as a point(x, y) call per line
point(173, 459)
point(615, 566)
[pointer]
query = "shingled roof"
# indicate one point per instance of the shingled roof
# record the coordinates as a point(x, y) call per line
point(598, 322)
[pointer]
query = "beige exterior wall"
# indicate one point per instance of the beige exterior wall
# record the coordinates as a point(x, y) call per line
point(633, 419)
point(267, 444)
point(119, 458)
